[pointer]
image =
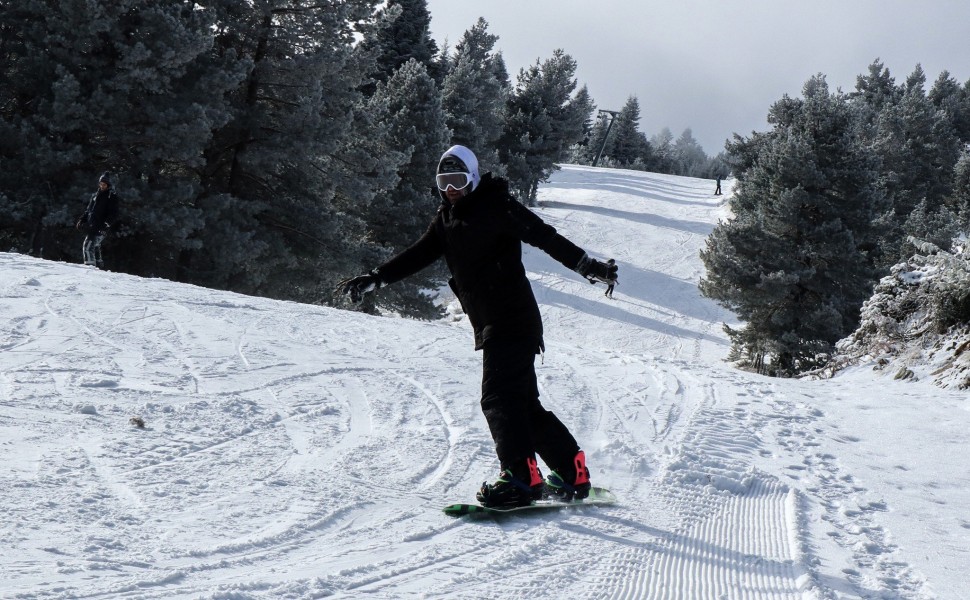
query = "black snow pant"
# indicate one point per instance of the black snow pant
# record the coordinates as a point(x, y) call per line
point(520, 426)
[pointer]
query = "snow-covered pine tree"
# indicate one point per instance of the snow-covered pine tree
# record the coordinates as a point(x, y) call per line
point(960, 199)
point(284, 176)
point(473, 95)
point(409, 108)
point(792, 262)
point(629, 144)
point(938, 225)
point(543, 120)
point(406, 37)
point(130, 87)
point(919, 149)
point(689, 155)
point(30, 158)
point(663, 151)
point(583, 104)
point(716, 165)
point(877, 89)
point(953, 100)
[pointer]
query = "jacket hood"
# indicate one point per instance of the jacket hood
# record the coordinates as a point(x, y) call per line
point(466, 156)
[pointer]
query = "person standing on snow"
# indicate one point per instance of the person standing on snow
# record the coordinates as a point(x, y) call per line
point(479, 229)
point(99, 216)
point(612, 282)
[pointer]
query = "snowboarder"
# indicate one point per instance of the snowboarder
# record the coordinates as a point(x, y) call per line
point(479, 229)
point(610, 284)
point(99, 216)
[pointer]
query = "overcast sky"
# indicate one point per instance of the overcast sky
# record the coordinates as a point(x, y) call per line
point(712, 65)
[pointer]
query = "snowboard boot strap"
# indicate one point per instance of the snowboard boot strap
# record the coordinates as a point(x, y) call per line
point(576, 486)
point(535, 478)
point(582, 473)
point(527, 483)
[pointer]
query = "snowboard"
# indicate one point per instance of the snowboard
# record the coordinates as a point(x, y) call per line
point(597, 497)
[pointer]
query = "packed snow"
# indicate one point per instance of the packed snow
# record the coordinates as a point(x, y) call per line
point(296, 451)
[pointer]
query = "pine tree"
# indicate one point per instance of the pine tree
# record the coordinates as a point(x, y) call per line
point(285, 175)
point(959, 202)
point(474, 92)
point(792, 263)
point(405, 35)
point(234, 132)
point(953, 100)
point(938, 225)
point(877, 89)
point(629, 144)
point(919, 149)
point(689, 156)
point(663, 151)
point(543, 121)
point(716, 166)
point(582, 104)
point(128, 87)
point(409, 107)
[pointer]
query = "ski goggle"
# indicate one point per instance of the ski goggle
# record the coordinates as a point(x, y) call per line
point(457, 181)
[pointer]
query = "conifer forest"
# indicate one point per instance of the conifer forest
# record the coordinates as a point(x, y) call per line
point(276, 147)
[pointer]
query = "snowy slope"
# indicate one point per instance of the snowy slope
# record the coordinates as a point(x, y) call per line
point(303, 452)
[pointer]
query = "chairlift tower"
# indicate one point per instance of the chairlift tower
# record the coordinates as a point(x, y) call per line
point(605, 114)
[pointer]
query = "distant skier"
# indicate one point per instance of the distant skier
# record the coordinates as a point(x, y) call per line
point(610, 284)
point(717, 190)
point(479, 229)
point(99, 216)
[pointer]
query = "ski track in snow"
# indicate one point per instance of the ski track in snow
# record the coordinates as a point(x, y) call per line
point(302, 452)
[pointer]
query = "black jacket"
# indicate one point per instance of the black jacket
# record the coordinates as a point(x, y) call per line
point(101, 212)
point(481, 238)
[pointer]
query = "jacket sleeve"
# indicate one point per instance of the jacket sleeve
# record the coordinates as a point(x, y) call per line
point(419, 255)
point(111, 217)
point(534, 231)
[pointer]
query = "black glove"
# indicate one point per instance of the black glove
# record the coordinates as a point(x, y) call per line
point(358, 287)
point(595, 270)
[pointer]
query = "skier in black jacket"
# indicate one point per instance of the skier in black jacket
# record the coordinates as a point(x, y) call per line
point(479, 229)
point(99, 216)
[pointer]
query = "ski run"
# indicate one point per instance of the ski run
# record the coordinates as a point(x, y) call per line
point(295, 451)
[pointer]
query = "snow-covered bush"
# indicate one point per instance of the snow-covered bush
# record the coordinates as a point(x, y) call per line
point(917, 322)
